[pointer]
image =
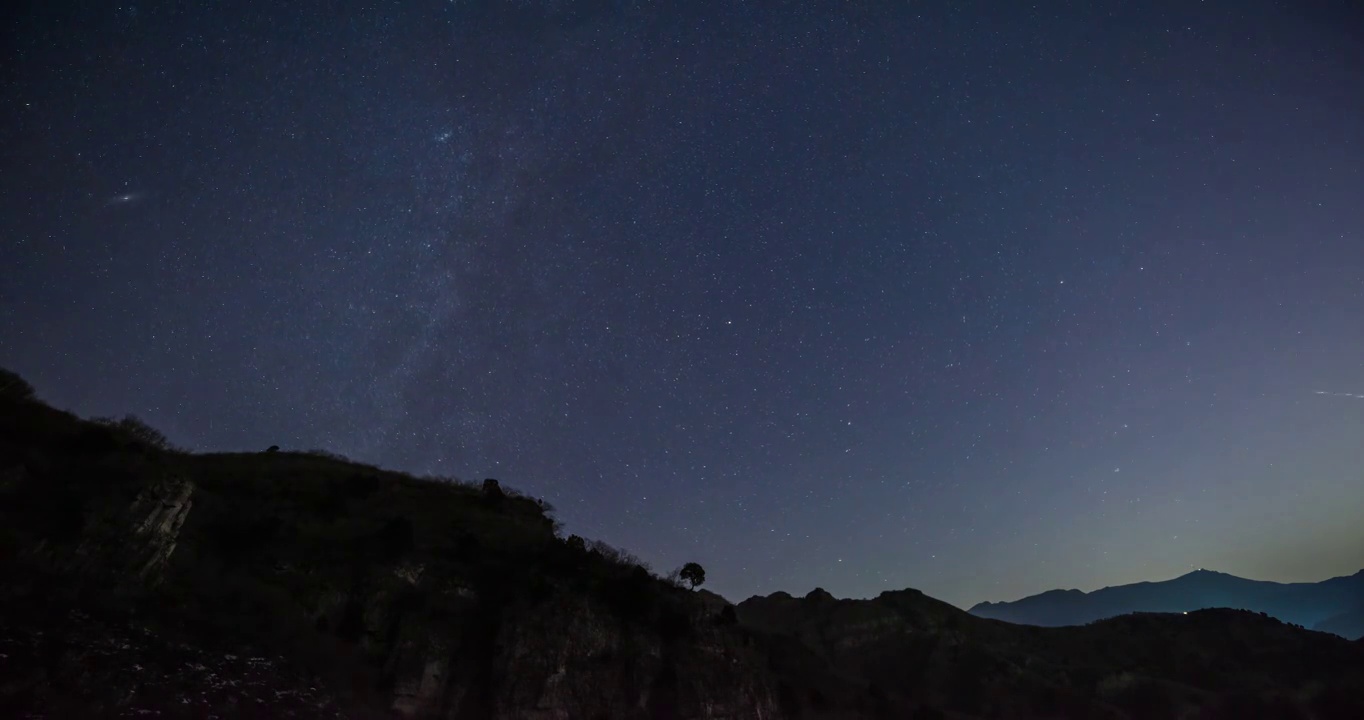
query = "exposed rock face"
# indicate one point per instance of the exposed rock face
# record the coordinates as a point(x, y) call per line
point(568, 659)
point(419, 691)
point(163, 507)
point(412, 573)
point(140, 540)
point(559, 658)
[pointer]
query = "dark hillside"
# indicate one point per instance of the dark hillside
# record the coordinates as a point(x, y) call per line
point(143, 580)
point(428, 596)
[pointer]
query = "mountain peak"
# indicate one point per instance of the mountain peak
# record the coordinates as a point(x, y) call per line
point(1062, 593)
point(1305, 604)
point(1204, 572)
point(819, 594)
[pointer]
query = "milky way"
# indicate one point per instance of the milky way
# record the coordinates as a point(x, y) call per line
point(967, 297)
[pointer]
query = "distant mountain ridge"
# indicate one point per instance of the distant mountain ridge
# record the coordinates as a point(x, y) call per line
point(1335, 605)
point(1348, 625)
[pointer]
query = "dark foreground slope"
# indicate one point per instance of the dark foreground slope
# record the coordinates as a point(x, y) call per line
point(146, 579)
point(1327, 605)
point(144, 582)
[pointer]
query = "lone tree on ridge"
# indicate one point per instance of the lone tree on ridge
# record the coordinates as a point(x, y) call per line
point(693, 574)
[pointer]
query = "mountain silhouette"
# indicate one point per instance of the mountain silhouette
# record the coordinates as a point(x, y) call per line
point(1335, 605)
point(1349, 624)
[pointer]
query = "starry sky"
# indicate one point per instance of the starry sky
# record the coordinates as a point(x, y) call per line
point(979, 298)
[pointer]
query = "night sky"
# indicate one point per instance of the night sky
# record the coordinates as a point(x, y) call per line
point(976, 298)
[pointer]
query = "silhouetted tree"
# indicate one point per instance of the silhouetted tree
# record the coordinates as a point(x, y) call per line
point(272, 449)
point(615, 555)
point(492, 491)
point(693, 574)
point(14, 387)
point(576, 544)
point(133, 427)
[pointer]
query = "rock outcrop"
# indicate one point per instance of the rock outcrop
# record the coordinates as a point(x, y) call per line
point(135, 543)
